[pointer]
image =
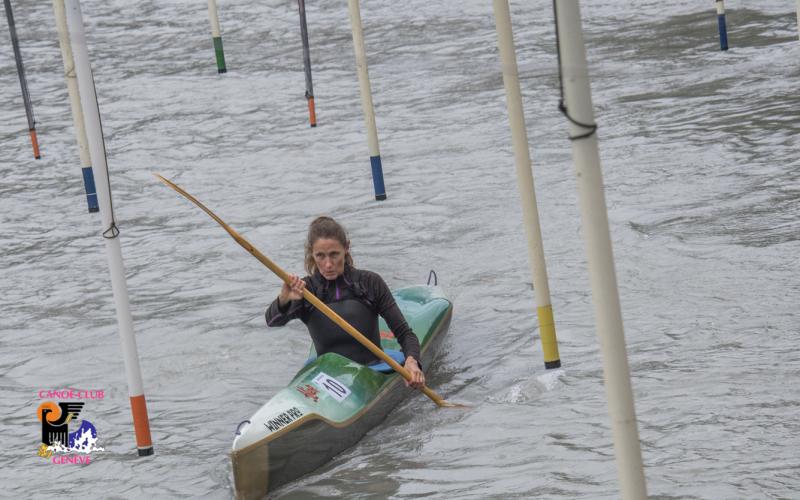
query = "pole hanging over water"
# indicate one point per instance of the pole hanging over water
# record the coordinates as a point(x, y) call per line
point(26, 98)
point(798, 18)
point(577, 94)
point(519, 140)
point(366, 100)
point(723, 29)
point(94, 133)
point(312, 114)
point(75, 104)
point(216, 36)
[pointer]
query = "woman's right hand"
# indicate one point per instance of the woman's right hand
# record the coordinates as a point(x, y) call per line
point(292, 290)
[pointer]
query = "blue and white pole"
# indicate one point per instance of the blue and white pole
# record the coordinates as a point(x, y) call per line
point(75, 104)
point(366, 100)
point(723, 30)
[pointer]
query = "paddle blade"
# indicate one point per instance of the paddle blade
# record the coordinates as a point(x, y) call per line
point(440, 402)
point(446, 404)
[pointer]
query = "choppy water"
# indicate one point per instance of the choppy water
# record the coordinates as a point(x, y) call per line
point(699, 152)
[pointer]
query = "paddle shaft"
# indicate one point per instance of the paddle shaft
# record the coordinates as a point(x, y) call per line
point(327, 311)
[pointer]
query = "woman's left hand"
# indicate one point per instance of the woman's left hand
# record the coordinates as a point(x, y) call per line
point(417, 377)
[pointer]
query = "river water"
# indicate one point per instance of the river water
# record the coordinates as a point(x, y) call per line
point(699, 152)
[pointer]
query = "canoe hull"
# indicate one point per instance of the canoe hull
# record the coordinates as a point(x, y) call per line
point(309, 431)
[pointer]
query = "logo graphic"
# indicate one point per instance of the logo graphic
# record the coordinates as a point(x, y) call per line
point(58, 443)
point(309, 391)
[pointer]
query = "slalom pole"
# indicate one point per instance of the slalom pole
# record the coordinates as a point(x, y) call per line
point(75, 104)
point(26, 97)
point(723, 30)
point(312, 114)
point(574, 76)
point(94, 134)
point(519, 139)
point(366, 99)
point(798, 18)
point(216, 36)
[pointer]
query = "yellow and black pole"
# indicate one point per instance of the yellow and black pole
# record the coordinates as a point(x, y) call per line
point(577, 107)
point(26, 98)
point(519, 140)
point(312, 114)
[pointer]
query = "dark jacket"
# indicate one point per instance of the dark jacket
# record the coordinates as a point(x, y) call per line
point(358, 296)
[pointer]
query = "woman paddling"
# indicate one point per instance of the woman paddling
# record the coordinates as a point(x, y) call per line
point(357, 295)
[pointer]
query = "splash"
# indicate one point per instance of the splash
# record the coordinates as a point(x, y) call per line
point(530, 390)
point(84, 440)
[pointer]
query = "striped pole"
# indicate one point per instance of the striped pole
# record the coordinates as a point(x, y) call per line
point(312, 114)
point(119, 286)
point(366, 100)
point(798, 18)
point(723, 30)
point(75, 104)
point(26, 98)
point(216, 37)
point(519, 140)
point(605, 295)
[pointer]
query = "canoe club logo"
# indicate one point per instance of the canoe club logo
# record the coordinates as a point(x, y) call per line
point(59, 445)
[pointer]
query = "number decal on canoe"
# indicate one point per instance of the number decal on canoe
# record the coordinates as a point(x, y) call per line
point(332, 386)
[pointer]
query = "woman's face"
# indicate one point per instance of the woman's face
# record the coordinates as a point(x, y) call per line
point(329, 257)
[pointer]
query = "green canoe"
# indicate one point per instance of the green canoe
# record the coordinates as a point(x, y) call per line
point(331, 403)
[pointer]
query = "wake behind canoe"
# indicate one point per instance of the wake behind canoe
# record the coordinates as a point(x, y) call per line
point(330, 404)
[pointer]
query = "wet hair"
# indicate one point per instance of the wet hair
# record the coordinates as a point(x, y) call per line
point(325, 227)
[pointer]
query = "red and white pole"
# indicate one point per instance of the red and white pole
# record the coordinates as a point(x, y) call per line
point(119, 286)
point(26, 98)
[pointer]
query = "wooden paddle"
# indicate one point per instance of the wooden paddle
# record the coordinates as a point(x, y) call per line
point(377, 351)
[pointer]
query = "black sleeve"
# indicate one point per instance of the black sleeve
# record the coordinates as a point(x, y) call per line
point(388, 309)
point(279, 316)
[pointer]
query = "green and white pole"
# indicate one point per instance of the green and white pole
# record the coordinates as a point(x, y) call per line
point(94, 134)
point(26, 97)
point(527, 192)
point(216, 36)
point(75, 104)
point(577, 93)
point(366, 100)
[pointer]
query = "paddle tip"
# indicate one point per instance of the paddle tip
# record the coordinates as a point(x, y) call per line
point(165, 180)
